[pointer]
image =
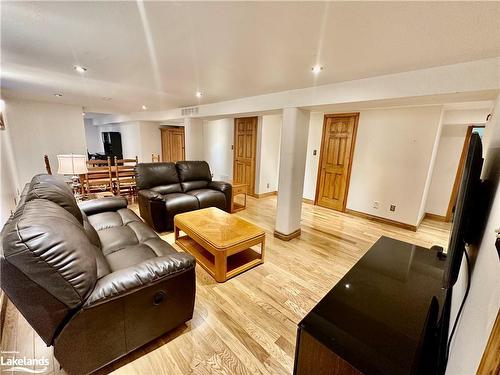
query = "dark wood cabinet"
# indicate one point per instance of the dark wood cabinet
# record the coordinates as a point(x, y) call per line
point(387, 315)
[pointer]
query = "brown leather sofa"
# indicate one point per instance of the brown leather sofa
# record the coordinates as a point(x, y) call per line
point(167, 189)
point(93, 280)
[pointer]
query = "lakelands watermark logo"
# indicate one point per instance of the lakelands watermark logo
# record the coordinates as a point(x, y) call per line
point(12, 361)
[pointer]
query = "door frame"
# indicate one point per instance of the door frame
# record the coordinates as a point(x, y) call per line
point(254, 151)
point(351, 154)
point(460, 172)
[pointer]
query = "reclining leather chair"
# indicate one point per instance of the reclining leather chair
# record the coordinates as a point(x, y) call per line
point(167, 189)
point(93, 281)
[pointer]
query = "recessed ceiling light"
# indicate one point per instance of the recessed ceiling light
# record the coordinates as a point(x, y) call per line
point(106, 98)
point(199, 94)
point(316, 69)
point(144, 107)
point(58, 95)
point(80, 69)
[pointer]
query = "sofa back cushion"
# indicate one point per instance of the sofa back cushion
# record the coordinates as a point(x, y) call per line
point(193, 174)
point(44, 243)
point(54, 189)
point(160, 177)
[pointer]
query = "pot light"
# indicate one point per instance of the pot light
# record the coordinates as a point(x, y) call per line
point(316, 69)
point(80, 69)
point(58, 95)
point(199, 94)
point(144, 107)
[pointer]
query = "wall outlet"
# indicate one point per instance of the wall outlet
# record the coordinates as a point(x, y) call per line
point(393, 207)
point(376, 204)
point(268, 185)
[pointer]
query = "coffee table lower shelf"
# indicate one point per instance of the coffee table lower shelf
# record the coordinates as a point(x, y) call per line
point(221, 267)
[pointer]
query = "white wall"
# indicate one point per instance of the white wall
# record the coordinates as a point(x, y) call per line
point(193, 139)
point(130, 135)
point(392, 157)
point(483, 303)
point(139, 138)
point(445, 169)
point(218, 138)
point(312, 161)
point(93, 137)
point(150, 140)
point(36, 129)
point(8, 175)
point(268, 153)
point(465, 116)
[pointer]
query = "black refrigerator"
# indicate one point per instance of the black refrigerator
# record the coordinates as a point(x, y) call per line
point(112, 142)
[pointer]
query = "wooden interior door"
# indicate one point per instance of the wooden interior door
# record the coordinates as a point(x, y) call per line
point(172, 144)
point(337, 147)
point(245, 141)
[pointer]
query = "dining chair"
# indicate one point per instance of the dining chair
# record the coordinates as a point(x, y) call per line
point(47, 164)
point(99, 177)
point(155, 158)
point(125, 176)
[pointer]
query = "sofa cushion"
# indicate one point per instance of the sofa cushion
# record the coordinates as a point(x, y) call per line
point(54, 189)
point(209, 198)
point(48, 244)
point(196, 171)
point(134, 254)
point(180, 202)
point(126, 240)
point(167, 189)
point(150, 175)
point(192, 185)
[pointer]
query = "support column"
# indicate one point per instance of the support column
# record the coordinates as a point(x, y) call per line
point(193, 138)
point(294, 133)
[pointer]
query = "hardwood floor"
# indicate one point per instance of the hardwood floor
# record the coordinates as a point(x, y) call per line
point(248, 324)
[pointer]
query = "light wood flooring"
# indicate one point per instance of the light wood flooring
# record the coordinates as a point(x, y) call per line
point(248, 324)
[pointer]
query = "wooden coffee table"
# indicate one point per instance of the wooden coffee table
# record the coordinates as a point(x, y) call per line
point(220, 242)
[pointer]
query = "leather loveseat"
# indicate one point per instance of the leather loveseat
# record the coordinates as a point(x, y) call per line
point(167, 189)
point(94, 281)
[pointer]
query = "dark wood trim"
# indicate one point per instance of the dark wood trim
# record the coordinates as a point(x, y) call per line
point(382, 220)
point(434, 217)
point(349, 168)
point(490, 362)
point(460, 171)
point(287, 237)
point(265, 195)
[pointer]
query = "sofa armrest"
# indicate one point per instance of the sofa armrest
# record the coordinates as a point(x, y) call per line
point(224, 187)
point(150, 195)
point(142, 275)
point(95, 206)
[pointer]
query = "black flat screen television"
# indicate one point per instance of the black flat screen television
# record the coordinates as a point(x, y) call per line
point(467, 210)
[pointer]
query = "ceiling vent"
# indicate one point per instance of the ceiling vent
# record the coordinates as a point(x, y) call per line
point(189, 111)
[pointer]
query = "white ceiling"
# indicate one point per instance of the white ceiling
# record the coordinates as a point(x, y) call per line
point(226, 49)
